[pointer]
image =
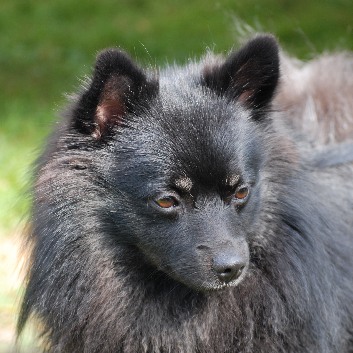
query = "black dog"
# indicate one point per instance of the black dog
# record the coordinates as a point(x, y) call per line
point(177, 214)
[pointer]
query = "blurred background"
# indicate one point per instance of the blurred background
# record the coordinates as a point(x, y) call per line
point(46, 47)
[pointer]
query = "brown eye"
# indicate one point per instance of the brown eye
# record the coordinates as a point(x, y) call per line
point(167, 202)
point(241, 193)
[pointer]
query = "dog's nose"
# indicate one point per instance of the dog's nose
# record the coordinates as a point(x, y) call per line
point(228, 267)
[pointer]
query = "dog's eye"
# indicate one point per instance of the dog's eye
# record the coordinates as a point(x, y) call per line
point(241, 193)
point(167, 202)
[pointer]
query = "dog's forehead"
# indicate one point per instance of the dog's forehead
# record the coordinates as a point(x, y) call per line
point(192, 135)
point(197, 132)
point(203, 153)
point(186, 184)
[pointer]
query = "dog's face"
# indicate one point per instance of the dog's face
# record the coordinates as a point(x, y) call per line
point(191, 189)
point(184, 164)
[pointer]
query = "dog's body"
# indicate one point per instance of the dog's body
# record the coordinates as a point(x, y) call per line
point(179, 214)
point(317, 97)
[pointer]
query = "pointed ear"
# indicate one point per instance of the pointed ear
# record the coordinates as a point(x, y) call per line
point(249, 75)
point(117, 86)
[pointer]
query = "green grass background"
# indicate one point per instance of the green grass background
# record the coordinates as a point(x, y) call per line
point(46, 47)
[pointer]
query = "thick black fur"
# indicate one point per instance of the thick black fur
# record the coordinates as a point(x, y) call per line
point(113, 271)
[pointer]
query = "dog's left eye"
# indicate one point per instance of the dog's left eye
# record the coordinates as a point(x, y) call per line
point(239, 196)
point(167, 202)
point(241, 193)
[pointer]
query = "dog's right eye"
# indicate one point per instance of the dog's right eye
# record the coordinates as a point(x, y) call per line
point(167, 202)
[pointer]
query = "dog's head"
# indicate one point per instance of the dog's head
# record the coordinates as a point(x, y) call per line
point(183, 156)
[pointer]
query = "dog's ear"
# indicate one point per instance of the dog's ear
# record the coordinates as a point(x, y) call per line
point(249, 75)
point(117, 86)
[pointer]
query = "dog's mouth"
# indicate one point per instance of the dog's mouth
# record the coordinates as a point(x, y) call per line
point(215, 286)
point(209, 284)
point(202, 276)
point(220, 286)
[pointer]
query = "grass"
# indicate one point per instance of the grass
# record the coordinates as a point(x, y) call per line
point(47, 46)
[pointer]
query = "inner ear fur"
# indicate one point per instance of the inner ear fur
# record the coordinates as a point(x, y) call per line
point(249, 75)
point(117, 86)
